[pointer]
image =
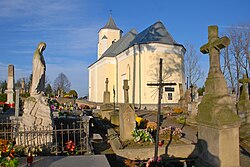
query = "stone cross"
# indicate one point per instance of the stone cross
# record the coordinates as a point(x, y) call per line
point(10, 85)
point(23, 86)
point(213, 47)
point(107, 85)
point(17, 103)
point(125, 88)
point(244, 81)
point(216, 83)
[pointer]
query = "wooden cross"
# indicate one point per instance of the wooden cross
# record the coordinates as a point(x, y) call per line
point(160, 85)
point(213, 47)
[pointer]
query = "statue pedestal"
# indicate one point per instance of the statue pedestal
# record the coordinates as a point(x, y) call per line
point(220, 146)
point(36, 117)
point(218, 127)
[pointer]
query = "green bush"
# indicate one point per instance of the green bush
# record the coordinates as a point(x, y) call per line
point(3, 97)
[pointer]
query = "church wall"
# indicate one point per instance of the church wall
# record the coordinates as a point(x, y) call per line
point(105, 68)
point(172, 71)
point(125, 71)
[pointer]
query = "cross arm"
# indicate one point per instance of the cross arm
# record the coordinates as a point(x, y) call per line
point(218, 44)
point(163, 84)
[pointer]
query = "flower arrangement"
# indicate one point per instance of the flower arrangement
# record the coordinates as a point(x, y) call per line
point(141, 123)
point(154, 163)
point(178, 110)
point(171, 132)
point(151, 126)
point(7, 154)
point(142, 135)
point(71, 148)
point(181, 120)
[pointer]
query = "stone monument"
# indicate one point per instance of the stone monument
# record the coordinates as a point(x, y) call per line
point(10, 85)
point(106, 107)
point(218, 125)
point(243, 106)
point(23, 87)
point(37, 114)
point(126, 116)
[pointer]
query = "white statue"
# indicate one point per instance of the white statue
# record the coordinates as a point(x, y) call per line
point(38, 72)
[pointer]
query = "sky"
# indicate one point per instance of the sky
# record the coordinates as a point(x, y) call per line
point(70, 30)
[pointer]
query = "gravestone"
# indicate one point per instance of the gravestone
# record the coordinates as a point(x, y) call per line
point(10, 85)
point(37, 114)
point(23, 87)
point(106, 107)
point(218, 125)
point(126, 116)
point(17, 103)
point(185, 100)
point(243, 105)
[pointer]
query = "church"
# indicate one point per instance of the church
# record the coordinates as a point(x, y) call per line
point(135, 57)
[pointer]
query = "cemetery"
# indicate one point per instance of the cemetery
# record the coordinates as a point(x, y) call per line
point(211, 130)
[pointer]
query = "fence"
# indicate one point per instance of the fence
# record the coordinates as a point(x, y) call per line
point(56, 140)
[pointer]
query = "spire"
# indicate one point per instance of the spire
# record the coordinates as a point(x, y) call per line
point(110, 24)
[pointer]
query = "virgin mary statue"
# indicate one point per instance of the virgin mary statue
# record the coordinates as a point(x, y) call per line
point(38, 72)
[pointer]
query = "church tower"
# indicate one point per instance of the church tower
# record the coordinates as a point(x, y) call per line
point(107, 35)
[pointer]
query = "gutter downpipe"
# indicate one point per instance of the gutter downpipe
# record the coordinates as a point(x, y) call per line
point(116, 70)
point(134, 77)
point(139, 76)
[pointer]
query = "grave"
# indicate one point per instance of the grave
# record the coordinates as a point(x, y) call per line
point(106, 107)
point(217, 121)
point(126, 115)
point(10, 86)
point(243, 106)
point(37, 114)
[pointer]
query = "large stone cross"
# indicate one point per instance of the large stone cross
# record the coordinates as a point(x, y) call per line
point(215, 83)
point(244, 81)
point(213, 47)
point(125, 88)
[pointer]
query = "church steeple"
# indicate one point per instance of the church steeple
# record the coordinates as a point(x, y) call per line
point(110, 24)
point(107, 35)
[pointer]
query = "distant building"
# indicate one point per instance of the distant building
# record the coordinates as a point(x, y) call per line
point(135, 57)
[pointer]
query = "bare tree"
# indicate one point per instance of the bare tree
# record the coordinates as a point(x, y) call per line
point(236, 58)
point(192, 69)
point(62, 83)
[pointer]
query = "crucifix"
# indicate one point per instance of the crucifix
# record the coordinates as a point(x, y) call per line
point(216, 83)
point(160, 85)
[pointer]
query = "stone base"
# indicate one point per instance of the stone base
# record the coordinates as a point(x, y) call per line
point(245, 131)
point(217, 110)
point(114, 118)
point(105, 114)
point(107, 106)
point(36, 117)
point(219, 146)
point(127, 121)
point(244, 111)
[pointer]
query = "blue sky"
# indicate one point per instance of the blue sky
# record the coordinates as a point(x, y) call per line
point(70, 29)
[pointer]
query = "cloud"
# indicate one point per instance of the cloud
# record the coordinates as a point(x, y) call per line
point(24, 8)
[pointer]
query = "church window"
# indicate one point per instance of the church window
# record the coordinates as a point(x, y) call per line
point(170, 96)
